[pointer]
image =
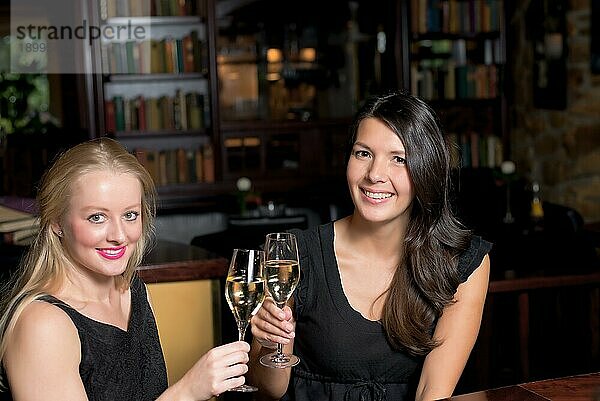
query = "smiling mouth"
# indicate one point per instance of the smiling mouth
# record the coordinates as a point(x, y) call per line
point(377, 195)
point(112, 253)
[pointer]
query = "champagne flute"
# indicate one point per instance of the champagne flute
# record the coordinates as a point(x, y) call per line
point(282, 273)
point(245, 291)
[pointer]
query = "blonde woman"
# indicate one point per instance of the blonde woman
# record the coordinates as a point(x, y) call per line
point(76, 321)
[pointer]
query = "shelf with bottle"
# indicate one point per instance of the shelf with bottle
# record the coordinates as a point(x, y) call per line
point(301, 65)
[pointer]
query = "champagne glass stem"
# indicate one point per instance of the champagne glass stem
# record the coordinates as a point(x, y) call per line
point(242, 326)
point(280, 356)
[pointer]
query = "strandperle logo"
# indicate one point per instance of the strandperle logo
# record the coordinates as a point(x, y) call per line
point(122, 32)
point(65, 37)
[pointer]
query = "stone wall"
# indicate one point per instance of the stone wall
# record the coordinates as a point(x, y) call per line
point(558, 148)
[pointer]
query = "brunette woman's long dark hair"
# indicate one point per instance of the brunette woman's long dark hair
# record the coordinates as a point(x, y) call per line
point(427, 278)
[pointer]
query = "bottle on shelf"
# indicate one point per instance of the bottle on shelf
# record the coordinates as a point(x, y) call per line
point(537, 210)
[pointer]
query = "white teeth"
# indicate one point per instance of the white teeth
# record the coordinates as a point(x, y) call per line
point(377, 195)
point(112, 251)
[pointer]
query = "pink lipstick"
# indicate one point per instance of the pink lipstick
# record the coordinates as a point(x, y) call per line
point(112, 253)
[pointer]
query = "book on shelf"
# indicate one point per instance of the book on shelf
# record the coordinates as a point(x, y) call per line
point(447, 80)
point(472, 149)
point(171, 166)
point(182, 166)
point(166, 55)
point(23, 236)
point(199, 165)
point(143, 8)
point(182, 111)
point(13, 219)
point(208, 164)
point(178, 165)
point(455, 16)
point(109, 114)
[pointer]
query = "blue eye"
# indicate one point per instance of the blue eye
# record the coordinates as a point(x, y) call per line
point(131, 216)
point(97, 218)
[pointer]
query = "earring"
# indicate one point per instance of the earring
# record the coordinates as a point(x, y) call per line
point(60, 233)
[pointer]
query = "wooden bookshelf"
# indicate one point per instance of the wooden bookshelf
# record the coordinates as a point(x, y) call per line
point(454, 58)
point(153, 92)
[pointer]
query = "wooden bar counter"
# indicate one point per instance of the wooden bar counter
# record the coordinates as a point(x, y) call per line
point(171, 261)
point(584, 387)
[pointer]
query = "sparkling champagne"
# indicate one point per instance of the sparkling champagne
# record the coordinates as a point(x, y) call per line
point(244, 298)
point(282, 278)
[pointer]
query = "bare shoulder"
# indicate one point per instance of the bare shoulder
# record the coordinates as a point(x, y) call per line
point(43, 329)
point(45, 318)
point(44, 349)
point(477, 282)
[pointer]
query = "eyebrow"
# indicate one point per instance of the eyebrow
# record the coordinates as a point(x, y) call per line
point(394, 152)
point(103, 209)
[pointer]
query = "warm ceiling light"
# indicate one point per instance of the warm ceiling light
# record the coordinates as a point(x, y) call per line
point(308, 54)
point(274, 55)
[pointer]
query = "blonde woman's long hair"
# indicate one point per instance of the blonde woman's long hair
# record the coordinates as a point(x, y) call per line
point(43, 268)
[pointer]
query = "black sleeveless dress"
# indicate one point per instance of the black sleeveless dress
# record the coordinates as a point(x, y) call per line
point(119, 365)
point(344, 356)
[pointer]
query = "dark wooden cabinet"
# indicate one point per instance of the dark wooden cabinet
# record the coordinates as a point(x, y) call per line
point(271, 88)
point(154, 92)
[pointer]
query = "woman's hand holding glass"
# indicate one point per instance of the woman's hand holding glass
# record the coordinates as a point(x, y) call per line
point(282, 275)
point(272, 325)
point(245, 291)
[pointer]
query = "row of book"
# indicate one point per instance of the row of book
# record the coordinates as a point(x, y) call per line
point(472, 149)
point(167, 55)
point(449, 81)
point(143, 8)
point(461, 51)
point(17, 227)
point(178, 166)
point(456, 16)
point(183, 111)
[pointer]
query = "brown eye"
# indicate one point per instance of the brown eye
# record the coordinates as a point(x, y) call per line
point(361, 154)
point(399, 160)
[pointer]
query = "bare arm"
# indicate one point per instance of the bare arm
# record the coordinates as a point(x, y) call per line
point(457, 328)
point(270, 325)
point(43, 356)
point(220, 369)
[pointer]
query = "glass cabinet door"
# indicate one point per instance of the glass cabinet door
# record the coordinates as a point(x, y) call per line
point(303, 60)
